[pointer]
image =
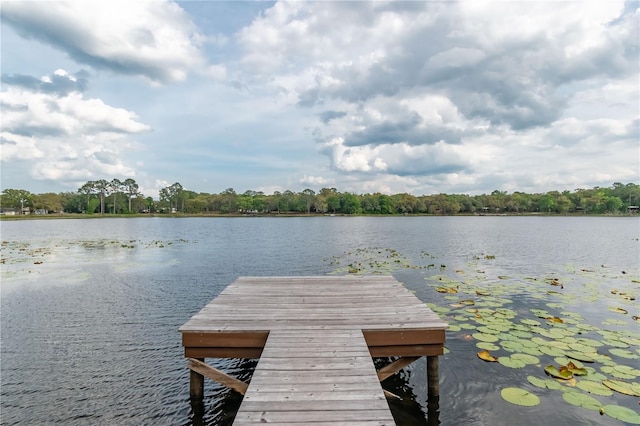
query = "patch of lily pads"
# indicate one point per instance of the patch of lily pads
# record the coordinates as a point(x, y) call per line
point(371, 260)
point(31, 258)
point(591, 364)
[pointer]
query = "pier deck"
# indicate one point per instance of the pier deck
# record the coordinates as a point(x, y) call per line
point(315, 337)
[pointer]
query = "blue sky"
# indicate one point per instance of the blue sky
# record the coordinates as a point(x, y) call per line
point(391, 97)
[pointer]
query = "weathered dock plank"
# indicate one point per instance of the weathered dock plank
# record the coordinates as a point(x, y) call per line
point(306, 396)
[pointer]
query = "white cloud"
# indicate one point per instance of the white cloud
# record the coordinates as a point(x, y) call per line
point(314, 181)
point(66, 138)
point(217, 72)
point(153, 39)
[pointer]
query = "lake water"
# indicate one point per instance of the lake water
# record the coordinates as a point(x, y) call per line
point(90, 309)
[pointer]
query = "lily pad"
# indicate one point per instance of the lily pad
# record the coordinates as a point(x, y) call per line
point(487, 346)
point(511, 362)
point(590, 342)
point(594, 387)
point(520, 396)
point(623, 414)
point(580, 356)
point(536, 381)
point(484, 337)
point(623, 353)
point(562, 373)
point(527, 359)
point(511, 346)
point(580, 399)
point(551, 351)
point(622, 387)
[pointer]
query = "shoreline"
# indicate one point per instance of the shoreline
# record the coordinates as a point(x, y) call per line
point(285, 215)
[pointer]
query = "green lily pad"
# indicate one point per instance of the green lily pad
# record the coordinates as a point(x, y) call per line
point(634, 341)
point(615, 343)
point(484, 337)
point(551, 351)
point(526, 358)
point(521, 334)
point(590, 342)
point(520, 396)
point(581, 347)
point(623, 414)
point(623, 353)
point(511, 346)
point(622, 387)
point(554, 384)
point(511, 362)
point(580, 356)
point(540, 313)
point(580, 399)
point(594, 387)
point(626, 369)
point(488, 330)
point(488, 346)
point(593, 376)
point(531, 351)
point(559, 344)
point(536, 381)
point(531, 322)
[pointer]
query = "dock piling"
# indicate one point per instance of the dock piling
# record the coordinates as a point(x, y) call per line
point(196, 384)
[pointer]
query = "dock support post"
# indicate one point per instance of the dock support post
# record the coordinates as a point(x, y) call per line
point(433, 377)
point(196, 384)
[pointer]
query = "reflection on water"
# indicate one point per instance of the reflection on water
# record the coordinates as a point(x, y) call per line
point(89, 333)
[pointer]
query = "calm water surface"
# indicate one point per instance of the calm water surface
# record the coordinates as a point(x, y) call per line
point(90, 308)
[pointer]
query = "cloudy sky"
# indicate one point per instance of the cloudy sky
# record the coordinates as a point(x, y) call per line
point(418, 97)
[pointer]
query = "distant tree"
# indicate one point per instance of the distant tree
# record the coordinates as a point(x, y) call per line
point(101, 187)
point(115, 186)
point(229, 200)
point(150, 204)
point(350, 203)
point(87, 189)
point(131, 189)
point(546, 203)
point(308, 197)
point(49, 201)
point(16, 198)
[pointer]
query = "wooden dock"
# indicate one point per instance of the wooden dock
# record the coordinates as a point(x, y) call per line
point(315, 337)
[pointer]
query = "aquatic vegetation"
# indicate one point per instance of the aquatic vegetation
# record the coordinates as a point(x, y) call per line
point(372, 260)
point(486, 356)
point(520, 396)
point(573, 355)
point(19, 256)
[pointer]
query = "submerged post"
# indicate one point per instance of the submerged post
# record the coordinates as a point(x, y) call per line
point(196, 384)
point(433, 377)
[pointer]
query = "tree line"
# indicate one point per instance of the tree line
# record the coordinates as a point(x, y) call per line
point(123, 197)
